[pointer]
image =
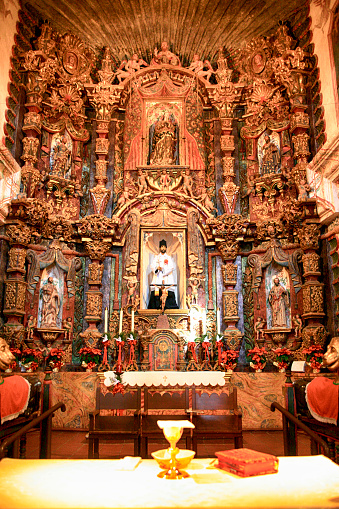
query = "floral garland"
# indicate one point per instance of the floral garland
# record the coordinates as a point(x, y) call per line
point(314, 356)
point(113, 379)
point(257, 358)
point(284, 357)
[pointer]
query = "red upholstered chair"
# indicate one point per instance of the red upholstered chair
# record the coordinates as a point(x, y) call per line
point(160, 404)
point(216, 416)
point(117, 418)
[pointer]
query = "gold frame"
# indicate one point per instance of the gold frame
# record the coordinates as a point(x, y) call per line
point(164, 232)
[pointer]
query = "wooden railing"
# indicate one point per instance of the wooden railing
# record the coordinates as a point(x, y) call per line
point(45, 421)
point(288, 418)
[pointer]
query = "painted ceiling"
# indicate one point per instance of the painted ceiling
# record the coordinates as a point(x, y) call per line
point(189, 26)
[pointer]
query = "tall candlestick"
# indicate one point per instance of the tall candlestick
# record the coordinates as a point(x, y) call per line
point(120, 321)
point(132, 320)
point(218, 320)
point(106, 321)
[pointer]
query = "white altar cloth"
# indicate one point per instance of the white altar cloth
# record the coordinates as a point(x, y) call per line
point(302, 482)
point(172, 378)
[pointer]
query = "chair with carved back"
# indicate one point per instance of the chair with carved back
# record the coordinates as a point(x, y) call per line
point(163, 404)
point(116, 419)
point(216, 417)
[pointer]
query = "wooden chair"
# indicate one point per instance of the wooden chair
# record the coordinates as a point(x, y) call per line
point(172, 404)
point(300, 417)
point(117, 418)
point(216, 416)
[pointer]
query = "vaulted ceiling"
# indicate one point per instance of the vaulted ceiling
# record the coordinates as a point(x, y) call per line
point(189, 26)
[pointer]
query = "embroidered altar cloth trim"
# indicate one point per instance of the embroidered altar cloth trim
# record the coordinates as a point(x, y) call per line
point(164, 378)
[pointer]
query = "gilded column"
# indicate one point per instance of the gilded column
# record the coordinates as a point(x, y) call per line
point(15, 285)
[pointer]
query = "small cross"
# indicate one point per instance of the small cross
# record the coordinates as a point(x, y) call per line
point(165, 378)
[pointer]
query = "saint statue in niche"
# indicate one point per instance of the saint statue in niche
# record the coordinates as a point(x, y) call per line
point(163, 278)
point(60, 160)
point(164, 140)
point(50, 305)
point(269, 154)
point(278, 299)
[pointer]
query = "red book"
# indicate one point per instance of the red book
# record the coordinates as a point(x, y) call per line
point(246, 462)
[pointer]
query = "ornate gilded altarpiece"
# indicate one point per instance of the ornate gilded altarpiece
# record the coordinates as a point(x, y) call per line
point(210, 159)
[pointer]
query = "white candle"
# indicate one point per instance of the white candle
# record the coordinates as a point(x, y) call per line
point(218, 320)
point(132, 320)
point(204, 323)
point(120, 321)
point(106, 321)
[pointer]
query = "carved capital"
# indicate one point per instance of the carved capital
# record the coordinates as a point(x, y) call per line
point(97, 226)
point(19, 234)
point(97, 249)
point(309, 235)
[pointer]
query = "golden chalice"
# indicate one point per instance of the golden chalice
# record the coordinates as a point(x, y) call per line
point(172, 458)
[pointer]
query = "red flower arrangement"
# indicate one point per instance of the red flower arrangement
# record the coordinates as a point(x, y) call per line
point(257, 358)
point(89, 357)
point(31, 358)
point(229, 359)
point(284, 357)
point(314, 356)
point(55, 358)
point(17, 354)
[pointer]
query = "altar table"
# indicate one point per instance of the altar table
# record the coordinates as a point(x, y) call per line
point(303, 482)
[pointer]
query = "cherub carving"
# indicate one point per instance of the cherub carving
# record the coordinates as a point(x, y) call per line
point(298, 325)
point(197, 66)
point(127, 68)
point(187, 183)
point(142, 182)
point(68, 326)
point(258, 327)
point(31, 324)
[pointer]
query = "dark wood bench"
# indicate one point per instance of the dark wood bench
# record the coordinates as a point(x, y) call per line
point(216, 416)
point(160, 404)
point(116, 418)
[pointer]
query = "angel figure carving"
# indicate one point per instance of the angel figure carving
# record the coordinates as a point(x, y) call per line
point(129, 67)
point(198, 67)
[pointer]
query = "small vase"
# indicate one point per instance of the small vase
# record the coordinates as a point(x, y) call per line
point(315, 370)
point(89, 370)
point(258, 370)
point(282, 370)
point(55, 370)
point(8, 370)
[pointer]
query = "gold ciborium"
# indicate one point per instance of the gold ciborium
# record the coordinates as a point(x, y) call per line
point(173, 431)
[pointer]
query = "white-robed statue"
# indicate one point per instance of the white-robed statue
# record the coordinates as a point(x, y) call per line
point(163, 273)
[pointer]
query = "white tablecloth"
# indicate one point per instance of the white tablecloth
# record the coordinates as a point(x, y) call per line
point(172, 378)
point(302, 482)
